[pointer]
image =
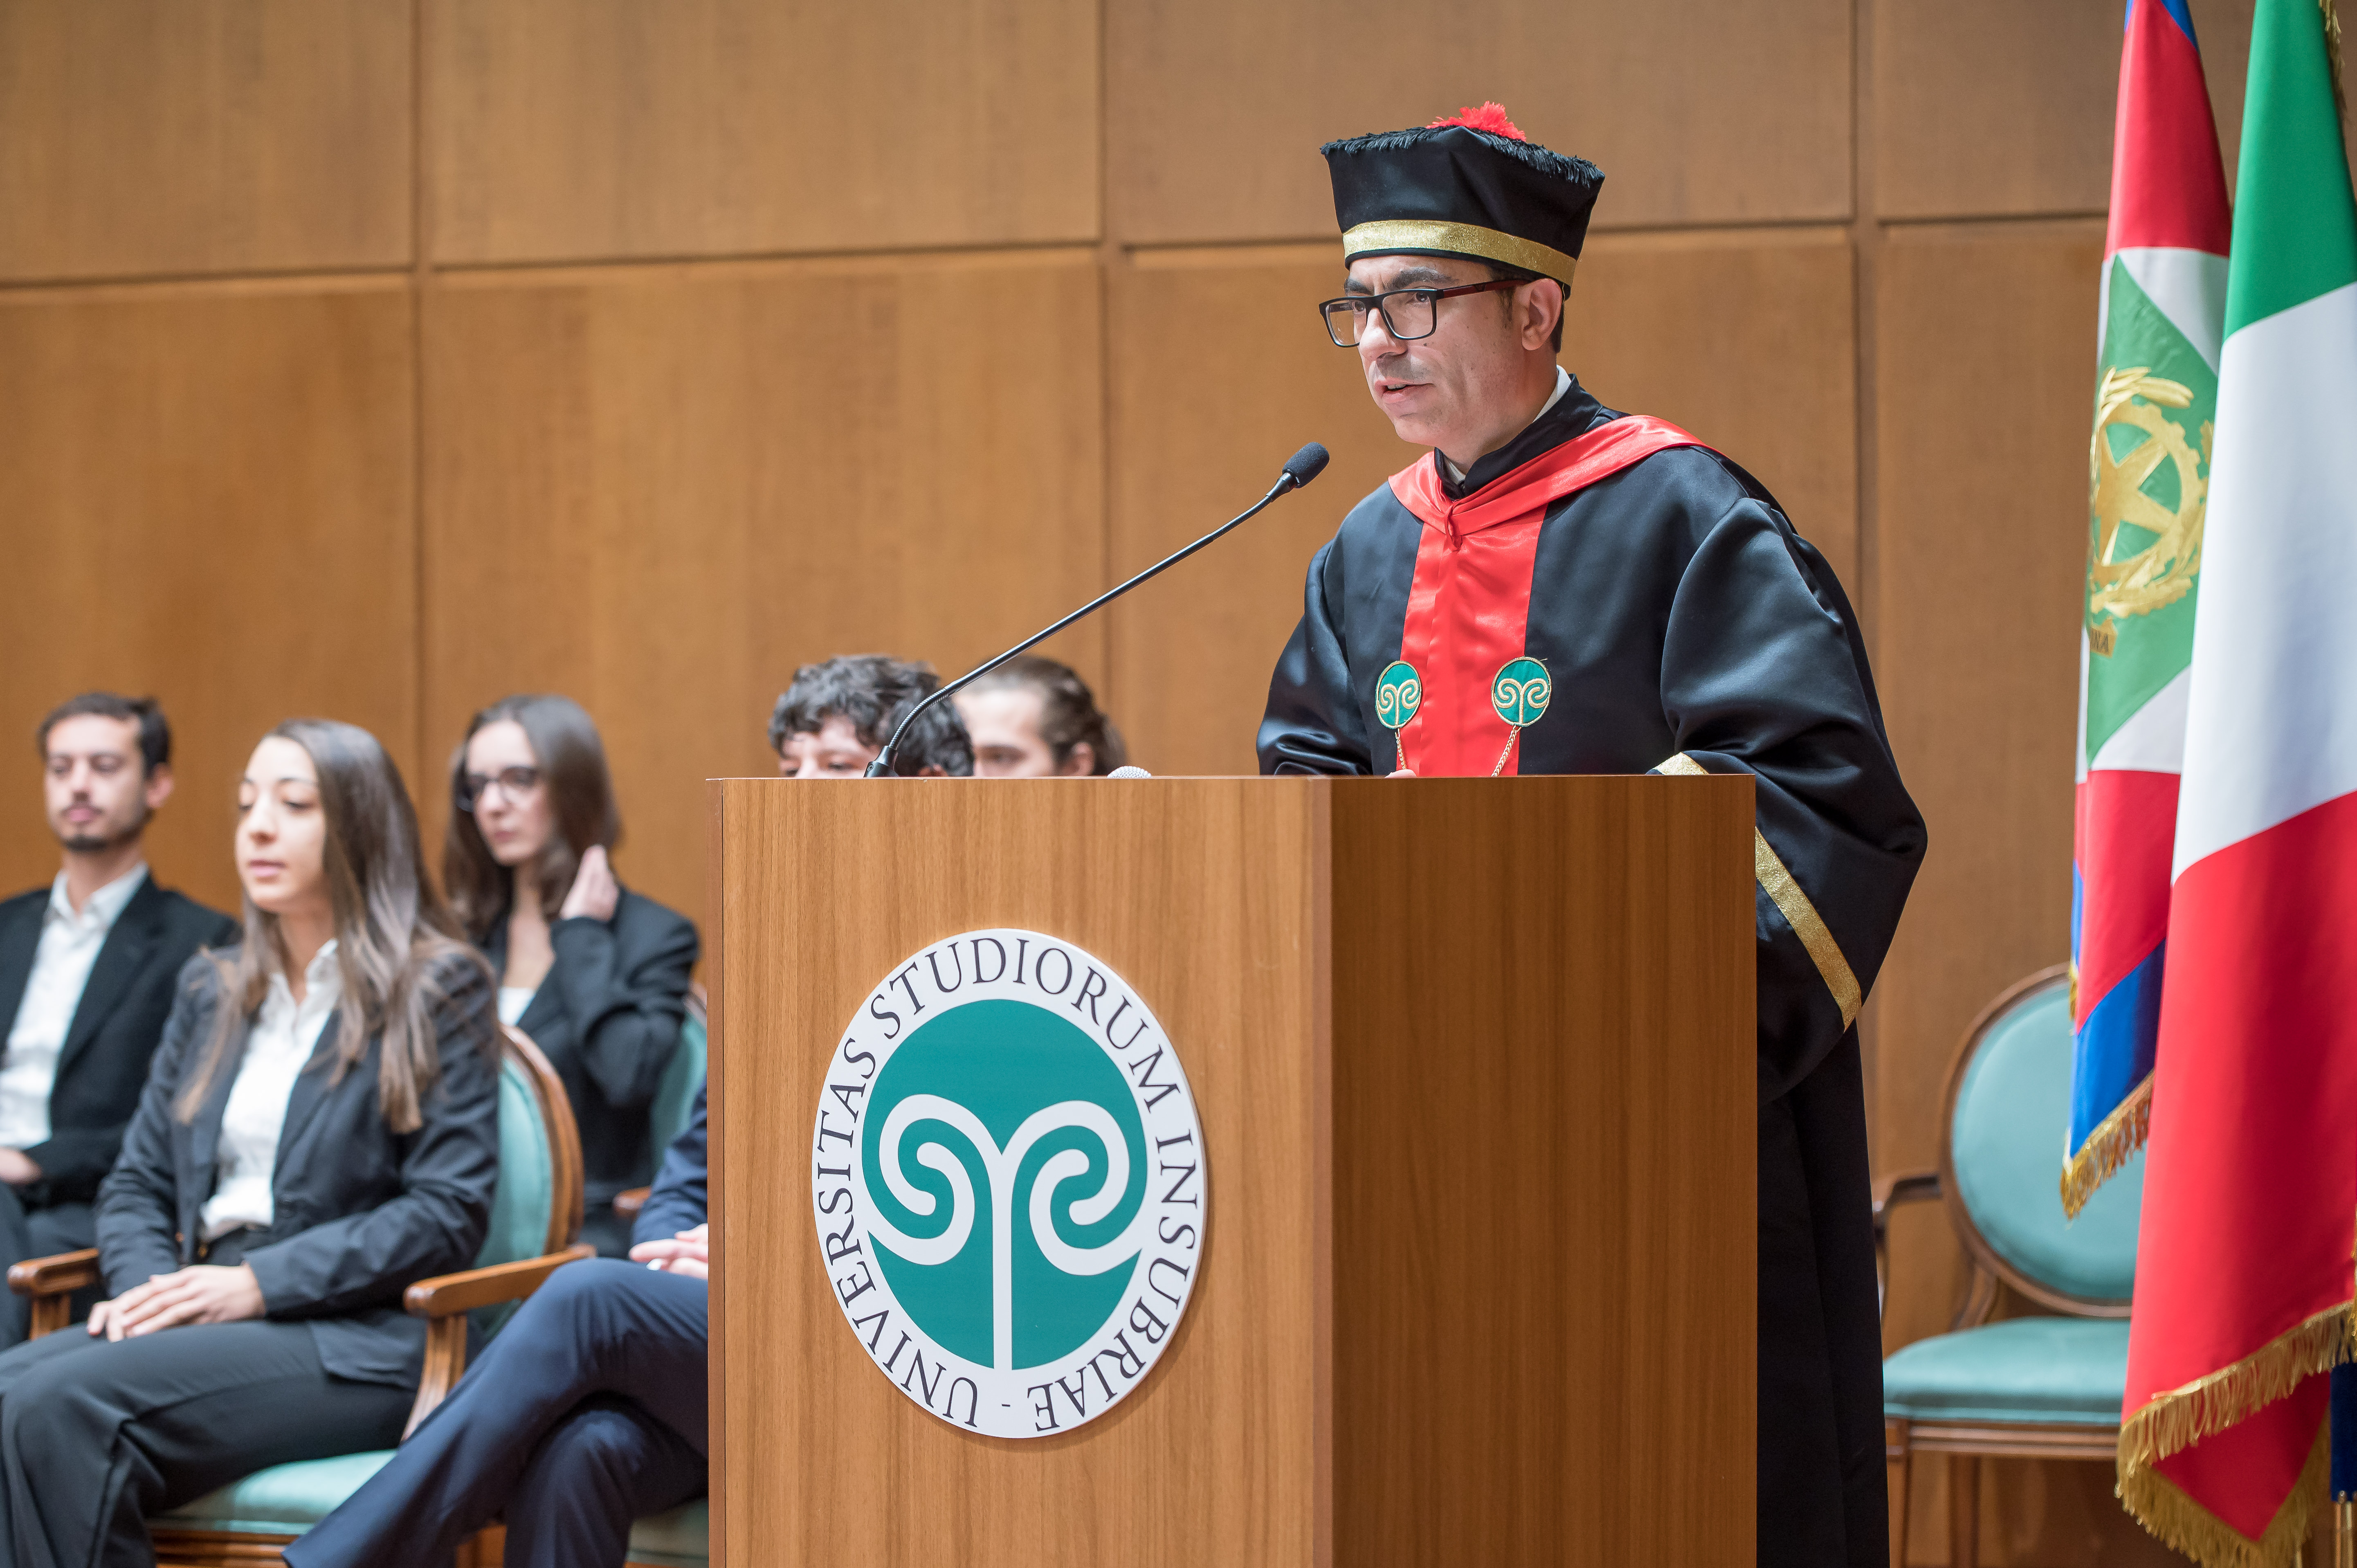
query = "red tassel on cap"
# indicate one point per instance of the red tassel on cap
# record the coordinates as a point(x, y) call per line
point(1490, 117)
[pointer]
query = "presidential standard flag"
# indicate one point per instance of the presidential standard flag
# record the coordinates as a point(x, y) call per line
point(2164, 301)
point(2243, 1273)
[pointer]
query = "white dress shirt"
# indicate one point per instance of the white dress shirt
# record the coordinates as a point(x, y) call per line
point(284, 1034)
point(61, 964)
point(1562, 385)
point(513, 1001)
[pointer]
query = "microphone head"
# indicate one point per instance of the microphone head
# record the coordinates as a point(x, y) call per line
point(1306, 465)
point(1126, 772)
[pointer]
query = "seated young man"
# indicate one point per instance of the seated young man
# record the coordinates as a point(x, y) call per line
point(836, 717)
point(586, 1412)
point(87, 966)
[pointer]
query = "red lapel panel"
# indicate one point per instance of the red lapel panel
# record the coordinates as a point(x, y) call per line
point(1469, 608)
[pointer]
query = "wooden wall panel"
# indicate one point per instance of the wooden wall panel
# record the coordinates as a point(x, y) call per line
point(1982, 500)
point(602, 128)
point(209, 498)
point(1692, 332)
point(660, 491)
point(1999, 108)
point(1746, 338)
point(1198, 434)
point(1982, 503)
point(1696, 111)
point(2005, 108)
point(178, 136)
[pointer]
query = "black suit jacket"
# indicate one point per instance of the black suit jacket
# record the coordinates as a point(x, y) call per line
point(116, 1028)
point(608, 1018)
point(360, 1211)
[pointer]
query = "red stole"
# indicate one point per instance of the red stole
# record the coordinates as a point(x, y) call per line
point(1470, 606)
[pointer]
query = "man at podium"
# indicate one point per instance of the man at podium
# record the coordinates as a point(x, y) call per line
point(1562, 588)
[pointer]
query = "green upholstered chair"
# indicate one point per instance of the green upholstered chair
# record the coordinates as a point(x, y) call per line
point(535, 1215)
point(675, 1100)
point(678, 1539)
point(675, 1096)
point(2043, 1387)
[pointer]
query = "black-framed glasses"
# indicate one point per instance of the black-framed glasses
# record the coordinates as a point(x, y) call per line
point(515, 783)
point(1408, 313)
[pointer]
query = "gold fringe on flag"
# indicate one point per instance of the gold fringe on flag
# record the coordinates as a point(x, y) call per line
point(2107, 1148)
point(2184, 1416)
point(2176, 1520)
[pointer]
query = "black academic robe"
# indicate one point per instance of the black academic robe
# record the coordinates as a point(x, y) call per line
point(1687, 626)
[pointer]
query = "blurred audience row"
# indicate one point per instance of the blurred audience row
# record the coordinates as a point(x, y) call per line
point(270, 1125)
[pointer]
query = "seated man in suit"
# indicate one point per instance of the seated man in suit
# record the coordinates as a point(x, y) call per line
point(587, 1412)
point(836, 717)
point(86, 972)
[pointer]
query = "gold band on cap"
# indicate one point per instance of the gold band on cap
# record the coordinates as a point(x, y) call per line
point(1464, 238)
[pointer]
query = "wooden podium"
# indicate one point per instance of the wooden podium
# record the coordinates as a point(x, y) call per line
point(1474, 1061)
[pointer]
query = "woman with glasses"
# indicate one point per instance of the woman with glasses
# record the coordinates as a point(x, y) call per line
point(596, 975)
point(319, 1130)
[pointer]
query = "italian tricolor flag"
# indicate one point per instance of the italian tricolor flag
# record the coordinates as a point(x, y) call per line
point(2245, 1268)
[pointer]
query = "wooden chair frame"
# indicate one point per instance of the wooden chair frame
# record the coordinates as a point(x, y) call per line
point(1966, 1443)
point(442, 1301)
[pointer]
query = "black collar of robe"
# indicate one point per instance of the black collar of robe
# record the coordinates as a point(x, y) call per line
point(1575, 413)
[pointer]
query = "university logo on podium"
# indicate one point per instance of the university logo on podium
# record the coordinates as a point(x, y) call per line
point(1009, 1181)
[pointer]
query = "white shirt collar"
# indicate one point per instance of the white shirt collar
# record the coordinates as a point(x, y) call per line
point(323, 981)
point(1562, 385)
point(106, 906)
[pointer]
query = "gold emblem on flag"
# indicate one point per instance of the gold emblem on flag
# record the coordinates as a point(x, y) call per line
point(2141, 581)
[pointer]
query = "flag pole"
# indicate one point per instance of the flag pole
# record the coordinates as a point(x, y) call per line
point(2339, 94)
point(2344, 1466)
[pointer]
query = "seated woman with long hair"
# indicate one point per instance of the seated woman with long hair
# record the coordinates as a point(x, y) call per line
point(319, 1129)
point(596, 975)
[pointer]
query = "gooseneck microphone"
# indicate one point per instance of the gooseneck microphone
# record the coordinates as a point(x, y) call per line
point(1299, 470)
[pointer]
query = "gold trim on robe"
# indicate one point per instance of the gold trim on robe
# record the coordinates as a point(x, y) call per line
point(1794, 906)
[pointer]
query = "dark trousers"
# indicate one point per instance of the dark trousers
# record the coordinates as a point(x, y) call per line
point(38, 1232)
point(586, 1412)
point(95, 1436)
point(1821, 1499)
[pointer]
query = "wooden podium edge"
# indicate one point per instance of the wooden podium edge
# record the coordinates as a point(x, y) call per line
point(1318, 868)
point(716, 903)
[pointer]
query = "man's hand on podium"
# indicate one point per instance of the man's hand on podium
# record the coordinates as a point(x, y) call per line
point(687, 1253)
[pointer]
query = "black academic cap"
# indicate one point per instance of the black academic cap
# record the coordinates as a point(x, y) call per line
point(1468, 185)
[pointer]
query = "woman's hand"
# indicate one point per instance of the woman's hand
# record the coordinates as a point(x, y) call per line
point(594, 890)
point(1401, 773)
point(200, 1295)
point(687, 1253)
